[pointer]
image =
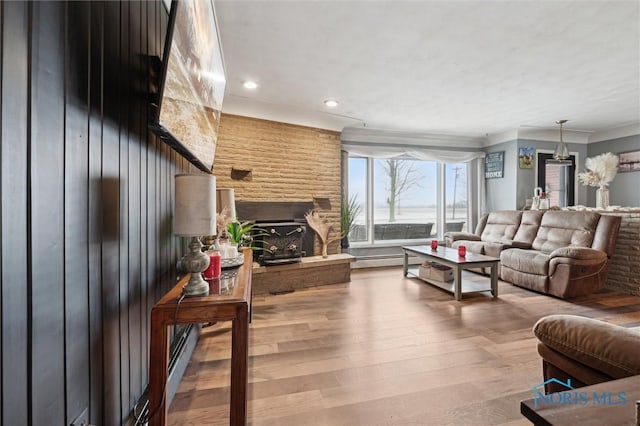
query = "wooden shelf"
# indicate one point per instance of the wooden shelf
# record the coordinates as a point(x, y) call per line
point(467, 286)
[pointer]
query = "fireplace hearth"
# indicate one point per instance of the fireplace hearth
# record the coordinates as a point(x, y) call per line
point(288, 237)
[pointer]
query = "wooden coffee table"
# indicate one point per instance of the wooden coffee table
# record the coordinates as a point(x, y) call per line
point(449, 257)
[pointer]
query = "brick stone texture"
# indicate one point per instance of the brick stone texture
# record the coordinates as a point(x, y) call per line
point(312, 271)
point(624, 272)
point(286, 163)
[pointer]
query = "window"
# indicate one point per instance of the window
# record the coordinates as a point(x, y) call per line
point(406, 199)
point(358, 189)
point(456, 199)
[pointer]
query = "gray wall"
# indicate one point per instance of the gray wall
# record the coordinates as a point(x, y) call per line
point(624, 189)
point(511, 191)
point(527, 179)
point(501, 191)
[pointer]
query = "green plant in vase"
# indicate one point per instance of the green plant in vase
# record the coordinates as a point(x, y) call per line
point(349, 211)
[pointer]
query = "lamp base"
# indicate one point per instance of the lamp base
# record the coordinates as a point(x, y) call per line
point(195, 262)
point(196, 286)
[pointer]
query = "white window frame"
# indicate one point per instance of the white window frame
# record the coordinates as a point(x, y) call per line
point(440, 200)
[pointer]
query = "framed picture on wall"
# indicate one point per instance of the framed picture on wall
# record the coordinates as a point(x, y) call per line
point(494, 165)
point(526, 157)
point(629, 161)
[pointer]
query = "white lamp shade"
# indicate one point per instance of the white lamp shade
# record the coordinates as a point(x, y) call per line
point(225, 199)
point(195, 205)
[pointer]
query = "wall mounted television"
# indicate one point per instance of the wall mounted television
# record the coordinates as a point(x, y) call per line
point(186, 114)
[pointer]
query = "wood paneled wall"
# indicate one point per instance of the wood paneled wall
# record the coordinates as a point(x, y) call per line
point(86, 247)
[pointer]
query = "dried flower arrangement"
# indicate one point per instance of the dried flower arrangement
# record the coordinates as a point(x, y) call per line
point(601, 170)
point(223, 219)
point(320, 224)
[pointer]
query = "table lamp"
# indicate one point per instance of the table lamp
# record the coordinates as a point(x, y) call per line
point(194, 216)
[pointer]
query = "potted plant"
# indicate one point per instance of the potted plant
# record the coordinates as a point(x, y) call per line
point(242, 234)
point(349, 210)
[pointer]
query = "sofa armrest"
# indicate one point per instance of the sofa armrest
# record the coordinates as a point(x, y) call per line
point(514, 244)
point(609, 348)
point(579, 253)
point(451, 237)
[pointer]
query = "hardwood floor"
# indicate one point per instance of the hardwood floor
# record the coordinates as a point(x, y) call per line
point(384, 350)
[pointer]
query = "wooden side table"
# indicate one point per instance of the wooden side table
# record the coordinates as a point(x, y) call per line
point(234, 306)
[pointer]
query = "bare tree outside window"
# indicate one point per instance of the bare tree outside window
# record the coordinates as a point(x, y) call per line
point(402, 176)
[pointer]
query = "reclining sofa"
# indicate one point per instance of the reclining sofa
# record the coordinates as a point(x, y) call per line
point(562, 253)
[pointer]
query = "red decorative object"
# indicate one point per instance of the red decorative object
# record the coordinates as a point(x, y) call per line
point(462, 251)
point(215, 266)
point(434, 244)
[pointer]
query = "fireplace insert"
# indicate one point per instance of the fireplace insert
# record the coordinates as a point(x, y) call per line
point(282, 242)
point(285, 236)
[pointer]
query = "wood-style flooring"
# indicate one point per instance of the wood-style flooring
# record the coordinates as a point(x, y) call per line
point(384, 350)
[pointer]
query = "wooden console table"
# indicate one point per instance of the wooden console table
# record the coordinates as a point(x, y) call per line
point(234, 306)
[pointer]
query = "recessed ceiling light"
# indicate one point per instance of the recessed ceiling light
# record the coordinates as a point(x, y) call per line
point(250, 84)
point(331, 103)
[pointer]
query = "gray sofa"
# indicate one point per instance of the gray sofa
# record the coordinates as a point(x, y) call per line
point(563, 253)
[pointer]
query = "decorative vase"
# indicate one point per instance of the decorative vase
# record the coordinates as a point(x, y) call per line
point(602, 197)
point(344, 243)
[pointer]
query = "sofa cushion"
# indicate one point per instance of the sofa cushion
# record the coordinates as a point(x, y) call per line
point(565, 228)
point(529, 225)
point(526, 261)
point(501, 225)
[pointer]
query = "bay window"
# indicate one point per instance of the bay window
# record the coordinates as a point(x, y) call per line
point(407, 199)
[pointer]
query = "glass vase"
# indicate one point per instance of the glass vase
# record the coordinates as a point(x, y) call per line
point(602, 197)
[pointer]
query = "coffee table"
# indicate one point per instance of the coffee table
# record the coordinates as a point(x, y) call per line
point(449, 257)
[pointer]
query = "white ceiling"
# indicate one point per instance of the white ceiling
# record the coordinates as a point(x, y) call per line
point(468, 68)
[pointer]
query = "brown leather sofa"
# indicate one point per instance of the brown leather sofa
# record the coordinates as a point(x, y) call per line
point(585, 350)
point(563, 253)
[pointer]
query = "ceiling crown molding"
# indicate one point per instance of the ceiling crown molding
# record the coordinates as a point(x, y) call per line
point(615, 133)
point(553, 135)
point(392, 137)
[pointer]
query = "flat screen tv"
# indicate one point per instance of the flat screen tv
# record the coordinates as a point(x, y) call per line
point(192, 83)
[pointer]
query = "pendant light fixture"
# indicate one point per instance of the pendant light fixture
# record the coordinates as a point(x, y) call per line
point(561, 154)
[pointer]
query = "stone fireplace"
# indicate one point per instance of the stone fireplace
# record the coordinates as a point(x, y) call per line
point(266, 161)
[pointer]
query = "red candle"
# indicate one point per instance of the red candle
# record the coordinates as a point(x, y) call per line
point(462, 251)
point(214, 286)
point(434, 244)
point(215, 266)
